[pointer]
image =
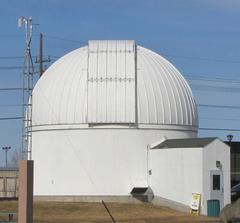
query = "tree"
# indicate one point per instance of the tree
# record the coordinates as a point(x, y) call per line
point(14, 160)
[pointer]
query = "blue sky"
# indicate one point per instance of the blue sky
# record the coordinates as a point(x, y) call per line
point(200, 37)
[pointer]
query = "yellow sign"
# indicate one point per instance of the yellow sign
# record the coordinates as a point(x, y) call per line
point(195, 203)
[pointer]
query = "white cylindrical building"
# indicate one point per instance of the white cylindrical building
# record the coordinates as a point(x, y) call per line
point(96, 110)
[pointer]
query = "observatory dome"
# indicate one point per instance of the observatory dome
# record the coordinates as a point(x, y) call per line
point(113, 83)
point(97, 111)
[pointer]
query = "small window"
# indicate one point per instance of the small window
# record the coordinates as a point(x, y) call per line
point(216, 182)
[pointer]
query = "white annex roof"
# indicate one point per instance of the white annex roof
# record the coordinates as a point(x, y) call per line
point(185, 143)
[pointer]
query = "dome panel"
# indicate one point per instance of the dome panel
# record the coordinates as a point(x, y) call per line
point(100, 83)
point(174, 100)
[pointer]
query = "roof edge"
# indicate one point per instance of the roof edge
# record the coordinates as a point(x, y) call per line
point(186, 143)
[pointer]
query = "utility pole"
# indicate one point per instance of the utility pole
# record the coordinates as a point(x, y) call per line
point(40, 60)
point(28, 72)
point(40, 56)
point(6, 148)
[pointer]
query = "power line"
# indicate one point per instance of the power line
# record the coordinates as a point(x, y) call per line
point(223, 119)
point(14, 89)
point(199, 105)
point(160, 54)
point(11, 36)
point(202, 77)
point(219, 129)
point(215, 88)
point(62, 39)
point(18, 57)
point(185, 57)
point(190, 77)
point(11, 57)
point(202, 58)
point(200, 128)
point(11, 67)
point(11, 89)
point(213, 79)
point(219, 106)
point(10, 118)
point(167, 55)
point(56, 57)
point(13, 105)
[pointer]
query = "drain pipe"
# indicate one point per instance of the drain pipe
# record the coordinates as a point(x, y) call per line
point(148, 165)
point(149, 147)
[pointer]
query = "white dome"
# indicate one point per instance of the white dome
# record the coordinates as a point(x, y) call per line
point(115, 83)
point(97, 110)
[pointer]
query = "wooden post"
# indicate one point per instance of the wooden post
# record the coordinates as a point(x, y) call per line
point(25, 197)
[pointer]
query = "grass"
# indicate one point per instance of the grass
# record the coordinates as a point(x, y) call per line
point(81, 212)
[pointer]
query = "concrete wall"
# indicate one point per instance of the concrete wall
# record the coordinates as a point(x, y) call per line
point(176, 173)
point(8, 183)
point(93, 161)
point(217, 150)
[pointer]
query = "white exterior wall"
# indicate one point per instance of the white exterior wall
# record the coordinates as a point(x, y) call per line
point(176, 173)
point(179, 172)
point(93, 161)
point(217, 150)
point(96, 109)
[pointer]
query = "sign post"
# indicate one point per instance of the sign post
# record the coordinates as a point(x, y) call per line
point(25, 200)
point(195, 204)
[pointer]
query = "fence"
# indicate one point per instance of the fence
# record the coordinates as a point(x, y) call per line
point(8, 183)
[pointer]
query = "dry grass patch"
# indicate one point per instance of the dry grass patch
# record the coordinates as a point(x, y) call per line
point(81, 212)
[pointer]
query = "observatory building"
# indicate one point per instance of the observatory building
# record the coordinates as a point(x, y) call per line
point(102, 117)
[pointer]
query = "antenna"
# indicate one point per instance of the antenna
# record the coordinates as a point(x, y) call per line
point(28, 71)
point(20, 22)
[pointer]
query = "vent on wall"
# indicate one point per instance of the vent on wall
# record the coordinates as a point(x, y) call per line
point(142, 193)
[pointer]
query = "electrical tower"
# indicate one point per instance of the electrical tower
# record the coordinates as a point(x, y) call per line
point(28, 71)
